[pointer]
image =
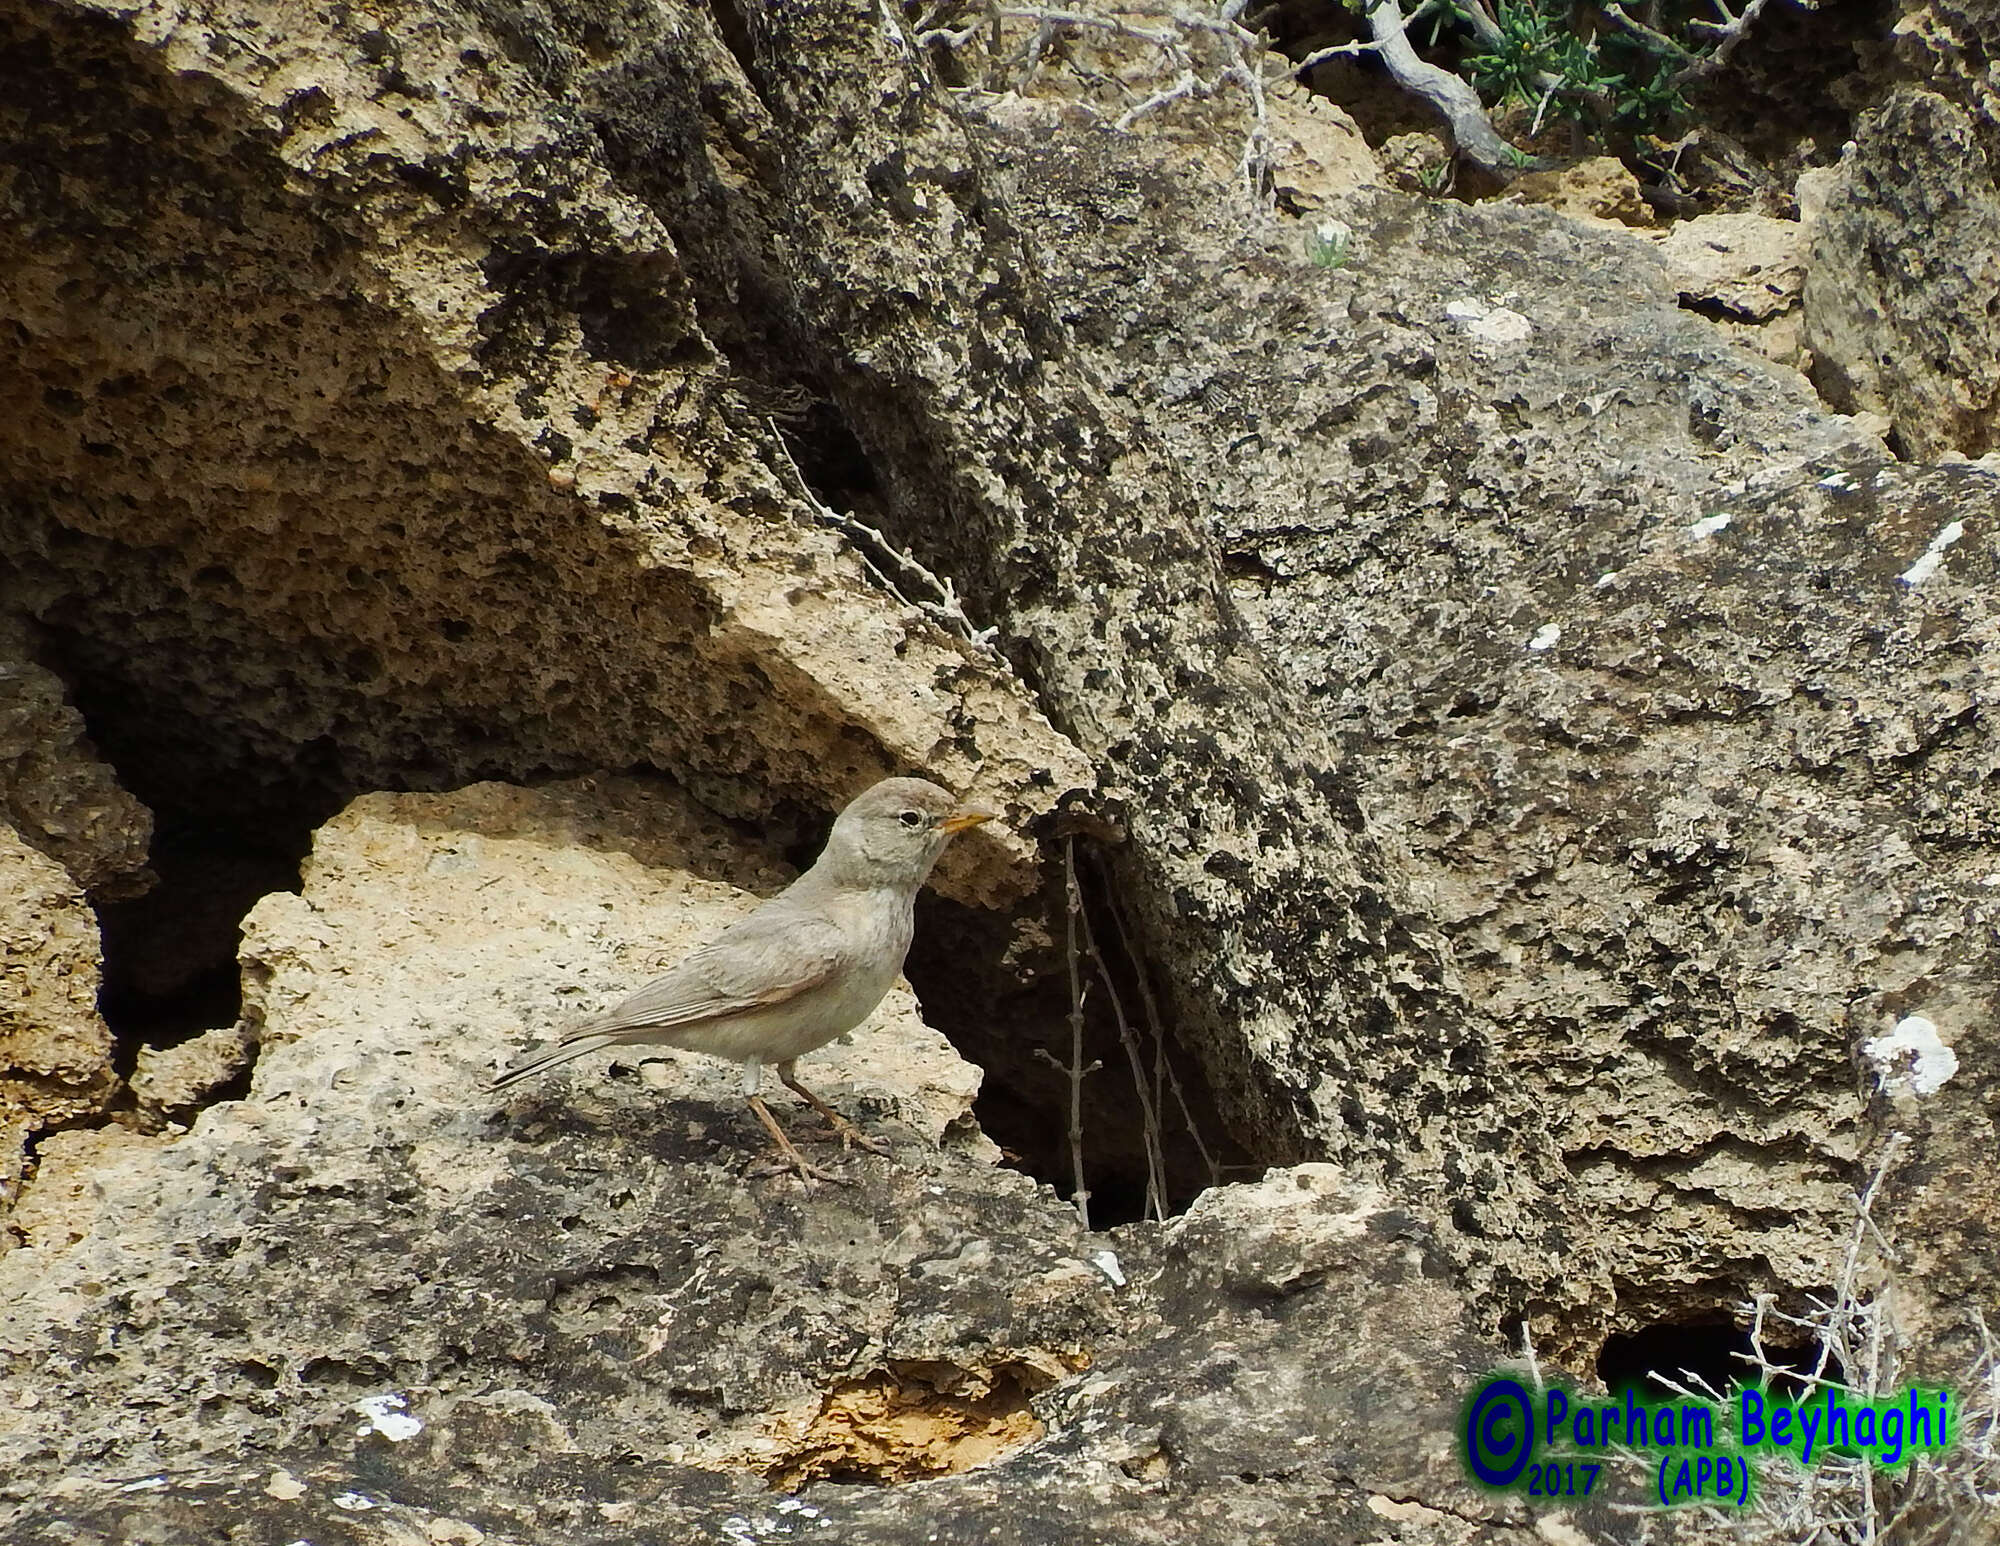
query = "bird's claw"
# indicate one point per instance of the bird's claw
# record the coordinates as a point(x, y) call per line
point(851, 1137)
point(803, 1169)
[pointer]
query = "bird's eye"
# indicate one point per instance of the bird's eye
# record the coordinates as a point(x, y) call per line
point(911, 818)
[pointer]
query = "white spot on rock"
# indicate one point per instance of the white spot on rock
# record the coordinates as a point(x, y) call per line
point(146, 1484)
point(1493, 324)
point(1708, 526)
point(1933, 559)
point(384, 1414)
point(353, 1502)
point(284, 1486)
point(1106, 1262)
point(1912, 1057)
point(1839, 482)
point(1545, 637)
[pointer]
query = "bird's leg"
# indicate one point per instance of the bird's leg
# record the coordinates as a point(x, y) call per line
point(792, 1160)
point(849, 1133)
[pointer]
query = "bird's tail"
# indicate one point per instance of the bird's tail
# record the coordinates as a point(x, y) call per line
point(564, 1051)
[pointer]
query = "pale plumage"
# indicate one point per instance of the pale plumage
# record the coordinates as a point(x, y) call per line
point(809, 965)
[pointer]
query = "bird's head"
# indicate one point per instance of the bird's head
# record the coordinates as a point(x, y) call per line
point(893, 833)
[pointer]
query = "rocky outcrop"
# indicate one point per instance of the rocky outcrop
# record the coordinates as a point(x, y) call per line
point(59, 796)
point(68, 833)
point(347, 469)
point(372, 1301)
point(1906, 260)
point(1519, 745)
point(55, 1051)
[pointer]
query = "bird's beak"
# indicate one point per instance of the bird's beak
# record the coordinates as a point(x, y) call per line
point(966, 816)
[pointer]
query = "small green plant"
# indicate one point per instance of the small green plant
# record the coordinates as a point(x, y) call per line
point(1328, 244)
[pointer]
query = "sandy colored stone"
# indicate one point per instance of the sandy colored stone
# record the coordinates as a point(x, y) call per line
point(55, 1052)
point(576, 1302)
point(511, 914)
point(1906, 255)
point(68, 1194)
point(171, 1079)
point(601, 558)
point(59, 796)
point(1600, 188)
point(1562, 905)
point(1751, 266)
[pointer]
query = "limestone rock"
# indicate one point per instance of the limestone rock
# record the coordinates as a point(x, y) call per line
point(495, 428)
point(174, 1079)
point(53, 789)
point(373, 1302)
point(1750, 266)
point(1905, 257)
point(602, 557)
point(55, 1052)
point(1600, 188)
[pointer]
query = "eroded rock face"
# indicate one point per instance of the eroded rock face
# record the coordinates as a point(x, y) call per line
point(1907, 256)
point(75, 836)
point(1444, 855)
point(374, 1302)
point(55, 1052)
point(59, 796)
point(1654, 702)
point(363, 434)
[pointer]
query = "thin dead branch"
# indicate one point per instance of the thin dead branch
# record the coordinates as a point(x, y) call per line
point(1078, 1070)
point(1149, 1132)
point(887, 562)
point(1163, 1068)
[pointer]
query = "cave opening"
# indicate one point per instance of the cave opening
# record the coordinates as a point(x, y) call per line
point(1153, 1137)
point(1707, 1354)
point(228, 829)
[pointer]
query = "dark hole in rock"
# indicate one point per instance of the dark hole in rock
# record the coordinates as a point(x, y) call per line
point(1713, 1354)
point(1153, 1139)
point(830, 457)
point(224, 834)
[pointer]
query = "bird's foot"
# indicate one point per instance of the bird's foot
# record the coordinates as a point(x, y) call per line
point(850, 1136)
point(796, 1164)
point(789, 1158)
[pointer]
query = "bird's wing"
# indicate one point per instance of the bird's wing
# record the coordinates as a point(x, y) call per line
point(761, 961)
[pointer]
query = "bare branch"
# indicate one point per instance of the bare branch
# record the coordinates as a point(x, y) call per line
point(1073, 910)
point(881, 555)
point(1471, 130)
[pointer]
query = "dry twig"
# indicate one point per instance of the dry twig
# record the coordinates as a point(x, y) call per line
point(942, 606)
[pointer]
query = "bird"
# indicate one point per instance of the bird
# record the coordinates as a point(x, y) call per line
point(808, 965)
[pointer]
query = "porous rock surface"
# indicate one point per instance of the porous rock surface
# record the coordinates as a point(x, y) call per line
point(69, 834)
point(374, 1302)
point(361, 431)
point(417, 418)
point(58, 795)
point(1648, 689)
point(55, 1050)
point(1906, 258)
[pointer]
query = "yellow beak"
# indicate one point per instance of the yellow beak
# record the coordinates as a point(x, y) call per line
point(966, 816)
